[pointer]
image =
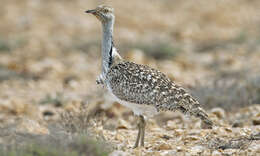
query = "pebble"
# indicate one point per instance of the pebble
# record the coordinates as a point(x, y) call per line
point(219, 112)
point(164, 146)
point(256, 121)
point(197, 149)
point(122, 124)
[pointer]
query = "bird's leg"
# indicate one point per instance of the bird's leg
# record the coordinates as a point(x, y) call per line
point(141, 129)
point(142, 121)
point(138, 135)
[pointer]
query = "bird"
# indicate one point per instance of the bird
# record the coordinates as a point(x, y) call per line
point(145, 90)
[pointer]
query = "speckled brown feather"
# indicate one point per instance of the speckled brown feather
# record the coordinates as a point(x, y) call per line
point(143, 89)
point(143, 85)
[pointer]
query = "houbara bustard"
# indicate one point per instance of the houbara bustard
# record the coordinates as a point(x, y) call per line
point(145, 90)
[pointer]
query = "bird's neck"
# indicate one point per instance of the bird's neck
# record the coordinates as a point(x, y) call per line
point(108, 50)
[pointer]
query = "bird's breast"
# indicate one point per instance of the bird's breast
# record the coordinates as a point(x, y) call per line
point(138, 109)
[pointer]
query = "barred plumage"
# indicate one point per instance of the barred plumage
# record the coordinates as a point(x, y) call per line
point(143, 89)
point(143, 85)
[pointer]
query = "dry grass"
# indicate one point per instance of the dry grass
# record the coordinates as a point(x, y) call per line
point(230, 91)
point(76, 121)
point(70, 136)
point(53, 145)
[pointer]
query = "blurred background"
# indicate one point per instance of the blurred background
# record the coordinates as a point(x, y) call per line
point(50, 58)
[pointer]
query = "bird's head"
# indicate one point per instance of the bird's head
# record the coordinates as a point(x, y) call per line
point(103, 13)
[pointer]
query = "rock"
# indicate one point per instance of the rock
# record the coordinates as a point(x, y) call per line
point(122, 124)
point(48, 112)
point(192, 138)
point(228, 129)
point(179, 149)
point(197, 149)
point(256, 120)
point(166, 137)
point(164, 146)
point(219, 112)
point(238, 123)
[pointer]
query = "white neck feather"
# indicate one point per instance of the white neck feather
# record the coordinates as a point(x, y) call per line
point(109, 52)
point(107, 45)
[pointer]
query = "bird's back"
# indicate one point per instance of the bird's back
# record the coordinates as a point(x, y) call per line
point(141, 84)
point(137, 83)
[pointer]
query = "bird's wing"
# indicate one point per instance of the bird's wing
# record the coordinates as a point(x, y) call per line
point(141, 84)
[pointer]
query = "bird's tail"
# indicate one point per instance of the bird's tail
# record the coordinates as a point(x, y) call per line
point(200, 113)
point(194, 109)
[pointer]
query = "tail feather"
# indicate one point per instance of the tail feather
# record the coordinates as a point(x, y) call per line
point(185, 103)
point(200, 113)
point(194, 109)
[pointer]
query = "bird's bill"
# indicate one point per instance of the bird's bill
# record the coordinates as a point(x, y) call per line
point(90, 11)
